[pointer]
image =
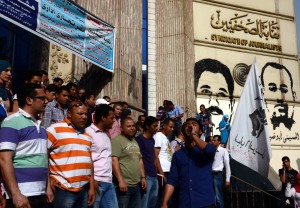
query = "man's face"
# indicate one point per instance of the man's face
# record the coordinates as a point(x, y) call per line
point(215, 142)
point(125, 106)
point(128, 129)
point(153, 128)
point(279, 91)
point(118, 110)
point(91, 101)
point(39, 102)
point(169, 128)
point(50, 95)
point(216, 91)
point(78, 116)
point(63, 97)
point(81, 91)
point(286, 163)
point(36, 80)
point(202, 109)
point(73, 91)
point(58, 84)
point(142, 120)
point(5, 75)
point(193, 126)
point(108, 122)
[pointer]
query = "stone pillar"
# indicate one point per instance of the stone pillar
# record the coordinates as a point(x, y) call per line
point(152, 104)
point(175, 54)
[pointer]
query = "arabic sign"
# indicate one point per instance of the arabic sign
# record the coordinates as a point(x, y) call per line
point(242, 22)
point(249, 141)
point(66, 24)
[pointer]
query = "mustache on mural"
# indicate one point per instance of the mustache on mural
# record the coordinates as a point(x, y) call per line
point(215, 109)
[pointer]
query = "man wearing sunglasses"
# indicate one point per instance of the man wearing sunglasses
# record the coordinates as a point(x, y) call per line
point(23, 151)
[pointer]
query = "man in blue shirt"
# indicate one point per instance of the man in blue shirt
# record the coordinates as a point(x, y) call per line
point(191, 171)
point(174, 113)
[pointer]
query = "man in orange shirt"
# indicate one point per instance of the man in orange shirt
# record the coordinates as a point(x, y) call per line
point(71, 168)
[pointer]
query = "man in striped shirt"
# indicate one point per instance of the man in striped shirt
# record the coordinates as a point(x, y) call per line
point(71, 168)
point(23, 151)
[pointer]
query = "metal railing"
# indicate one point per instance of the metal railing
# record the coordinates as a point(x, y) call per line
point(242, 194)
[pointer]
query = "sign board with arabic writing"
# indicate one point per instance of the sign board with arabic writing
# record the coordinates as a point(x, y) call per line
point(66, 24)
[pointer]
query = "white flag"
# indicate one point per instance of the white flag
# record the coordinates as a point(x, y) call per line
point(249, 141)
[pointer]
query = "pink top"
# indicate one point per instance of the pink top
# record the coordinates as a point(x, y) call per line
point(116, 128)
point(101, 154)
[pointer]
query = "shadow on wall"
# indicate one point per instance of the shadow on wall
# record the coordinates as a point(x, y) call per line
point(95, 79)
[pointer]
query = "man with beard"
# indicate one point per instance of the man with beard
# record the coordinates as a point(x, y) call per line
point(280, 92)
point(191, 170)
point(223, 86)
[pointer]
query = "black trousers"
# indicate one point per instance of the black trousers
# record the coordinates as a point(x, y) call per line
point(34, 201)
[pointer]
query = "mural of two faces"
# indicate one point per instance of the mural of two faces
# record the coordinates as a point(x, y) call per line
point(214, 86)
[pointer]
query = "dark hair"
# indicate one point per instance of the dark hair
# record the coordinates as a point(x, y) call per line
point(62, 88)
point(140, 116)
point(117, 104)
point(125, 113)
point(58, 79)
point(51, 88)
point(44, 72)
point(218, 137)
point(285, 158)
point(149, 121)
point(191, 119)
point(169, 102)
point(214, 66)
point(85, 96)
point(30, 74)
point(202, 105)
point(27, 90)
point(167, 121)
point(160, 107)
point(105, 97)
point(279, 67)
point(102, 110)
point(124, 103)
point(71, 84)
point(207, 139)
point(126, 119)
point(183, 129)
point(74, 103)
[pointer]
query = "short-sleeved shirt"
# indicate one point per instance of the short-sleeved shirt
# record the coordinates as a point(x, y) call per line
point(116, 128)
point(290, 176)
point(101, 154)
point(147, 149)
point(24, 136)
point(175, 112)
point(53, 113)
point(165, 153)
point(128, 153)
point(70, 161)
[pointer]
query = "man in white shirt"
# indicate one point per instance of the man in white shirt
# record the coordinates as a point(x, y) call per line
point(163, 154)
point(221, 160)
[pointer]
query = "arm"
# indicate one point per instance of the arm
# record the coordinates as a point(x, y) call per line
point(282, 176)
point(117, 173)
point(15, 107)
point(143, 175)
point(227, 168)
point(9, 179)
point(169, 189)
point(91, 191)
point(47, 116)
point(157, 162)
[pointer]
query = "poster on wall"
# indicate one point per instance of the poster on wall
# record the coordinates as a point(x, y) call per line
point(66, 24)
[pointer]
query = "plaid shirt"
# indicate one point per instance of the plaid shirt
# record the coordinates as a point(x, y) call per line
point(53, 113)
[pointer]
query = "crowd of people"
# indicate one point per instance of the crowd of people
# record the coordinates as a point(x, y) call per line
point(61, 147)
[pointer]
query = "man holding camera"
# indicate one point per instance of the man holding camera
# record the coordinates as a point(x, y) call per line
point(286, 174)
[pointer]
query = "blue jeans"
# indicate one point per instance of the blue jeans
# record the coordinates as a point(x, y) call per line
point(68, 199)
point(131, 198)
point(150, 197)
point(107, 197)
point(219, 184)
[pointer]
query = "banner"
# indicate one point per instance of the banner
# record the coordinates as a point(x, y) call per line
point(66, 24)
point(249, 141)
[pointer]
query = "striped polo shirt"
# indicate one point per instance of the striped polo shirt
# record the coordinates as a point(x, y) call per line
point(70, 156)
point(20, 133)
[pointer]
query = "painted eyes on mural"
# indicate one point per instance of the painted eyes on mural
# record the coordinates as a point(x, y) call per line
point(206, 91)
point(221, 94)
point(273, 87)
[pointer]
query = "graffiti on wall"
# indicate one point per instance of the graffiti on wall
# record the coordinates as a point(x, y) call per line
point(214, 86)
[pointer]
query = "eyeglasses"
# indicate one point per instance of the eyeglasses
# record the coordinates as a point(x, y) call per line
point(43, 98)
